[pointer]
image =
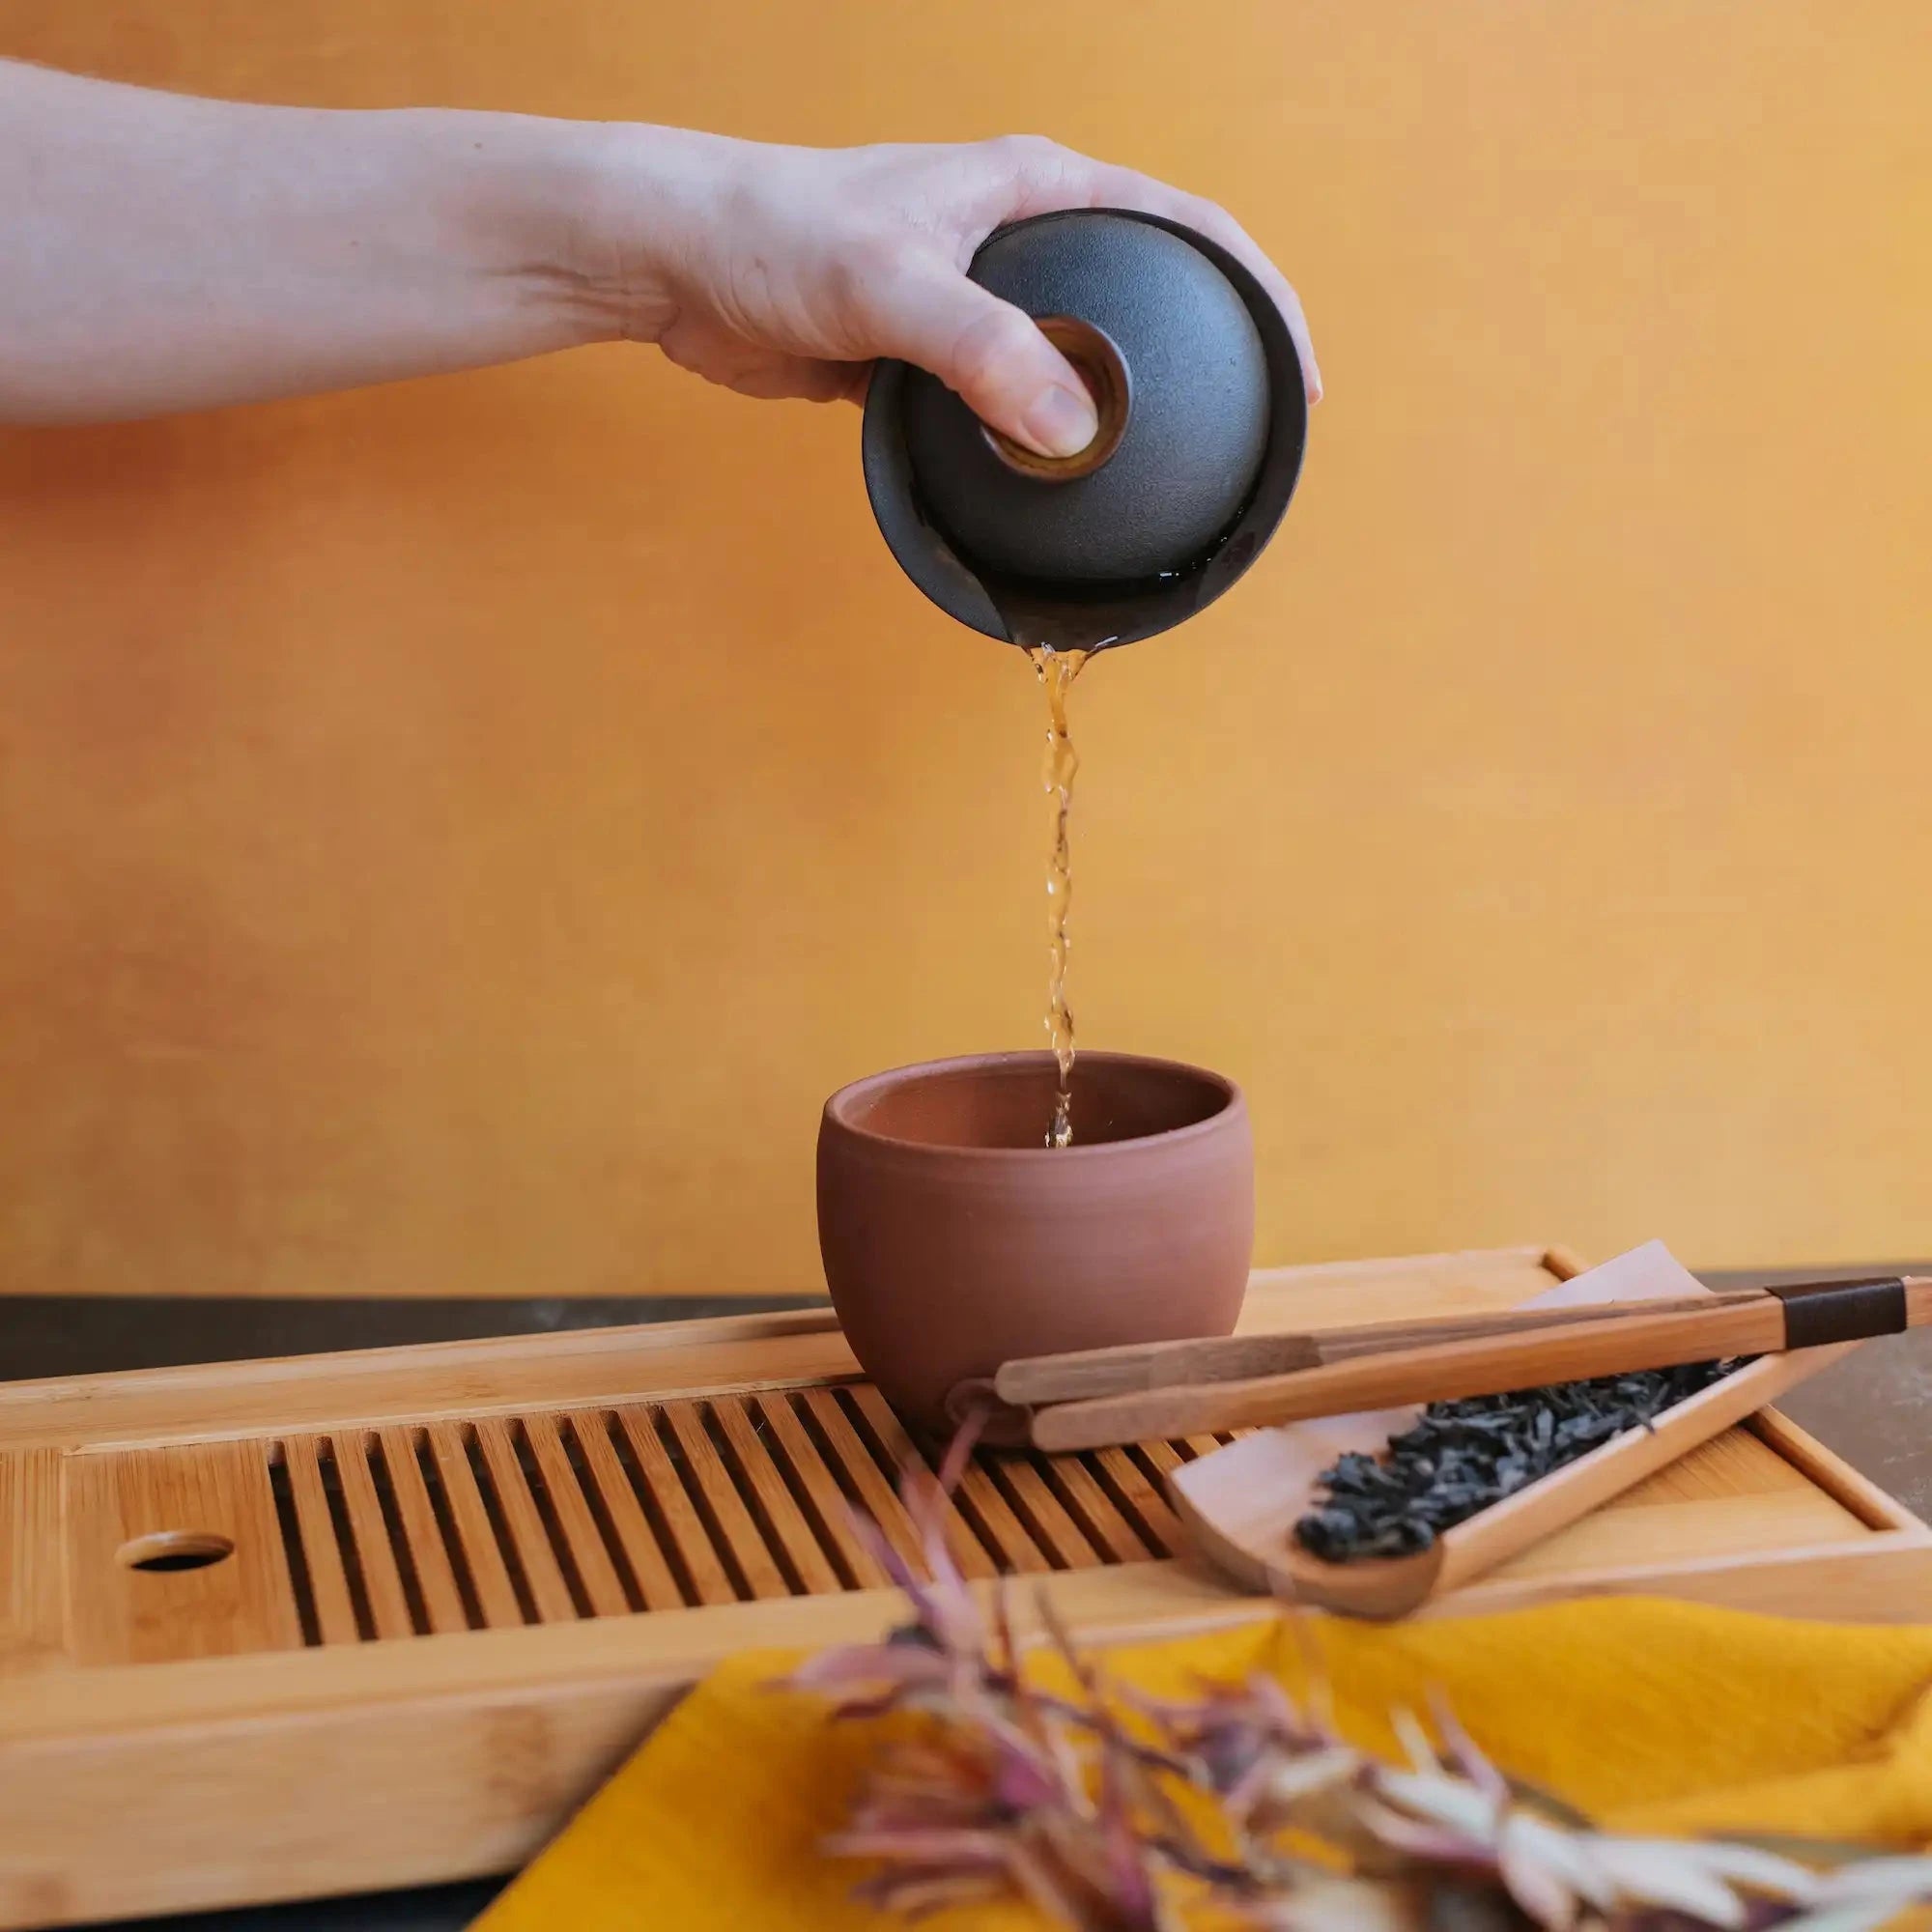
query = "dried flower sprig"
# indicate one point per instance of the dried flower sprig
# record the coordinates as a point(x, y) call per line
point(1003, 1793)
point(1112, 1812)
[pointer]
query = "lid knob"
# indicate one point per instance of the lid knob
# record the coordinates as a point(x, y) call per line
point(1099, 366)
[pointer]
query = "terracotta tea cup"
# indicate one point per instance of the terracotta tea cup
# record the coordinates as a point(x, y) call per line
point(955, 1239)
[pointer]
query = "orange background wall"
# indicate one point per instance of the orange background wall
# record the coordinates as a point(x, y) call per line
point(452, 837)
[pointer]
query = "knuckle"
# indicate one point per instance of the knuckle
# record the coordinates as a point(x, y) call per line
point(1025, 153)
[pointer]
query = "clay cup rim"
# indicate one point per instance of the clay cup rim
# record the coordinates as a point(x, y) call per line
point(848, 1109)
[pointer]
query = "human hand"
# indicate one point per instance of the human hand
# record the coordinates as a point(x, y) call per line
point(175, 253)
point(784, 272)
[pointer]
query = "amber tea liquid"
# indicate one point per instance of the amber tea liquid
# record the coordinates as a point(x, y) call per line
point(1057, 669)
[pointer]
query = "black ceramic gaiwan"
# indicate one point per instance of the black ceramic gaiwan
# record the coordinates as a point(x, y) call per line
point(1202, 423)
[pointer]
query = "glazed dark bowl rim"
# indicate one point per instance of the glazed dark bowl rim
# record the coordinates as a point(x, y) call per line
point(1232, 1107)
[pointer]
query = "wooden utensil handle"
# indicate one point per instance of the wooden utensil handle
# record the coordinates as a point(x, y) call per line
point(1339, 1345)
point(1440, 1371)
point(1088, 1372)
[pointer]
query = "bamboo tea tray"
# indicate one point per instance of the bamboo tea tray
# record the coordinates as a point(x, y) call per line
point(282, 1628)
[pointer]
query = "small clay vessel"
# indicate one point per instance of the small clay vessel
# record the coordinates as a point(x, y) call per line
point(954, 1239)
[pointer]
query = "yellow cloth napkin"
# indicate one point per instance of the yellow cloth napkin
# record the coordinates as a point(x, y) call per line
point(1653, 1717)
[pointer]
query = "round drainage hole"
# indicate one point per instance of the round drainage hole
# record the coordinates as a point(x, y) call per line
point(176, 1549)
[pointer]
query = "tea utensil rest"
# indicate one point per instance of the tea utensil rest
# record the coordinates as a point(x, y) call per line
point(1240, 1504)
point(1189, 1388)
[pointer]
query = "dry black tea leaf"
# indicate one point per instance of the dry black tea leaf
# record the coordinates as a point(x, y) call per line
point(1461, 1457)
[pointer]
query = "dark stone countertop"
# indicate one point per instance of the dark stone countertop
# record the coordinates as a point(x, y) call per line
point(1873, 1409)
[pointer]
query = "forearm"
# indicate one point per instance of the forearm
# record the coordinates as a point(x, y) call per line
point(159, 253)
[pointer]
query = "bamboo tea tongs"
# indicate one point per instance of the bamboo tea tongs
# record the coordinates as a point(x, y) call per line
point(1138, 1394)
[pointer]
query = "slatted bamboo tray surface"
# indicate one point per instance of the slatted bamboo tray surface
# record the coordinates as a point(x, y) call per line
point(280, 1629)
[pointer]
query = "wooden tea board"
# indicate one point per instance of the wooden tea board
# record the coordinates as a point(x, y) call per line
point(453, 1586)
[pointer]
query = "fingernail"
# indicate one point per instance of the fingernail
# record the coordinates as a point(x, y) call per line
point(1061, 421)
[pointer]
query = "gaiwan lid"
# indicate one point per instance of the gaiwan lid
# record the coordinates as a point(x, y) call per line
point(1202, 421)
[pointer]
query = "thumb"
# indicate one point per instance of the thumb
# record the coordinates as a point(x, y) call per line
point(991, 356)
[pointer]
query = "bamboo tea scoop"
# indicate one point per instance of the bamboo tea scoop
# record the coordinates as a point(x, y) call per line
point(1420, 1363)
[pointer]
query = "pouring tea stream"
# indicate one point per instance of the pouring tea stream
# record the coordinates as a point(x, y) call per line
point(1201, 416)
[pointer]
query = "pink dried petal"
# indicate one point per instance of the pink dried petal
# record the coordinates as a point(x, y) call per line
point(1081, 1667)
point(938, 1755)
point(1156, 1798)
point(1668, 1873)
point(887, 1789)
point(1345, 1905)
point(879, 1546)
point(1021, 1784)
point(1779, 1877)
point(1099, 1714)
point(1164, 1711)
point(1067, 1762)
point(1130, 1884)
point(959, 1451)
point(946, 1614)
point(1271, 1697)
point(1902, 1877)
point(1290, 1780)
point(1125, 1855)
point(1036, 1721)
point(1005, 1650)
point(959, 1794)
point(863, 1709)
point(1462, 1750)
point(915, 1895)
point(1543, 1892)
point(1567, 1855)
point(894, 1778)
point(940, 1815)
point(917, 1846)
point(1232, 1758)
point(1434, 1844)
point(1414, 1741)
point(868, 1665)
point(1033, 1741)
point(1849, 1914)
point(1442, 1800)
point(926, 1503)
point(1064, 1895)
